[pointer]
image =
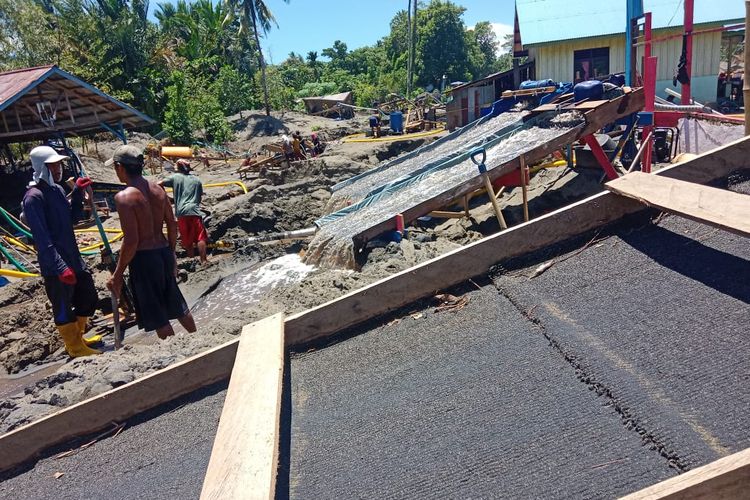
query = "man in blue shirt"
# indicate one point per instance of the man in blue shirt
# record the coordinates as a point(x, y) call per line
point(67, 280)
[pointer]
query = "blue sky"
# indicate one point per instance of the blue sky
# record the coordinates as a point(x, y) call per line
point(306, 25)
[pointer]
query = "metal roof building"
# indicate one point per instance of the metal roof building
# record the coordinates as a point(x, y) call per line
point(572, 40)
point(46, 101)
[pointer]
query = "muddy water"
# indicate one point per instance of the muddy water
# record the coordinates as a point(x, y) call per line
point(246, 288)
point(239, 290)
point(333, 245)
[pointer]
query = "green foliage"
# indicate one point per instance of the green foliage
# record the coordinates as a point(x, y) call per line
point(198, 61)
point(234, 91)
point(206, 115)
point(314, 89)
point(177, 122)
point(281, 95)
point(439, 23)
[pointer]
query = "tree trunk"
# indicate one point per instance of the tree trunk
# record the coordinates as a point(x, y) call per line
point(261, 61)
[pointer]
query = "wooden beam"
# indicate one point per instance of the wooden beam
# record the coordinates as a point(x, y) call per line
point(718, 207)
point(245, 453)
point(727, 477)
point(356, 307)
point(117, 405)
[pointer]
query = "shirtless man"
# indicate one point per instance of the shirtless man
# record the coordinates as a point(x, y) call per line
point(143, 208)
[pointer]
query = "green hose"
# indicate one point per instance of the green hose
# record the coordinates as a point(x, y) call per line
point(13, 223)
point(12, 260)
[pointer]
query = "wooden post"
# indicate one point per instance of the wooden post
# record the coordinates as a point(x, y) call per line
point(524, 190)
point(493, 199)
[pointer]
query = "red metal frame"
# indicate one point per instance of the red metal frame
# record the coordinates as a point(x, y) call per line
point(649, 87)
point(600, 156)
point(689, 49)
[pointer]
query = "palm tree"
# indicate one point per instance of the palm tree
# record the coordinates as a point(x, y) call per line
point(255, 13)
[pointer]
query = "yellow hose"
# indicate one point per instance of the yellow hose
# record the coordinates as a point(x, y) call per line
point(19, 244)
point(552, 164)
point(95, 230)
point(99, 244)
point(363, 138)
point(117, 232)
point(17, 274)
point(218, 184)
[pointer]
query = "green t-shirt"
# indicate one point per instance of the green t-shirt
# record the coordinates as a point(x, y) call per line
point(187, 191)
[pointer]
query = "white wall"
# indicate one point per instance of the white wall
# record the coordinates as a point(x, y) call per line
point(555, 60)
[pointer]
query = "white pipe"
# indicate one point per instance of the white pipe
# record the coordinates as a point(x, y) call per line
point(687, 108)
point(692, 101)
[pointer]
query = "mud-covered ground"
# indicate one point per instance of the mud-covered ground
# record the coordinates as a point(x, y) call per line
point(281, 202)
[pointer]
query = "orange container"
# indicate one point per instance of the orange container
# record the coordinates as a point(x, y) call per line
point(177, 151)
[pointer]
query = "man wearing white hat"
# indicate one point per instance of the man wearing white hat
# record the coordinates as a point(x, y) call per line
point(67, 280)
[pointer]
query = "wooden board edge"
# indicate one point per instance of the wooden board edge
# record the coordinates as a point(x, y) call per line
point(624, 186)
point(116, 405)
point(249, 470)
point(727, 477)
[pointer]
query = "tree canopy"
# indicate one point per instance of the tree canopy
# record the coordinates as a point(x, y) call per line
point(197, 62)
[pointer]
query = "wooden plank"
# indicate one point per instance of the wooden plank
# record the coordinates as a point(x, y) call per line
point(717, 207)
point(356, 307)
point(245, 453)
point(595, 119)
point(725, 478)
point(98, 413)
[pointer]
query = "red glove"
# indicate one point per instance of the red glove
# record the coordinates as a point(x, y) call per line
point(83, 182)
point(68, 277)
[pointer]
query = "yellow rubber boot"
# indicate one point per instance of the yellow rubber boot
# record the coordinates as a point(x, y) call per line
point(82, 321)
point(71, 335)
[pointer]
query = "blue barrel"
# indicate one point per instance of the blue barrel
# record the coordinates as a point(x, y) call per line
point(397, 122)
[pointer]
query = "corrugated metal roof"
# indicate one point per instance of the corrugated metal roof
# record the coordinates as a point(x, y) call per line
point(544, 21)
point(16, 81)
point(68, 105)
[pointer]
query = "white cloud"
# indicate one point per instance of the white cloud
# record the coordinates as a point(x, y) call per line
point(501, 30)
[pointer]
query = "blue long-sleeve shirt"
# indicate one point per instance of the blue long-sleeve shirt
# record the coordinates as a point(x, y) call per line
point(47, 213)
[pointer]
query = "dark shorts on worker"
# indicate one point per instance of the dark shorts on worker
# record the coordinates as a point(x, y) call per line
point(70, 301)
point(192, 230)
point(156, 295)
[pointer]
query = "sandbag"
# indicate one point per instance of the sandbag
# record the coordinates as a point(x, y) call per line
point(536, 84)
point(593, 90)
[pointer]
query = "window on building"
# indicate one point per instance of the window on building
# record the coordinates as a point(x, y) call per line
point(590, 63)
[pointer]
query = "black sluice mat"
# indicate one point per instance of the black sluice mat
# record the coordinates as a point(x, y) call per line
point(161, 454)
point(656, 320)
point(457, 404)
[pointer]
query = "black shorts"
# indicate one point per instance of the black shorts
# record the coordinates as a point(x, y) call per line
point(156, 295)
point(70, 301)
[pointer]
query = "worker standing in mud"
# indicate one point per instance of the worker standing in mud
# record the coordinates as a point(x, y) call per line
point(375, 123)
point(67, 280)
point(144, 209)
point(188, 193)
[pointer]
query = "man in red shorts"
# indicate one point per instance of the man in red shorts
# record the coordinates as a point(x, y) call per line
point(187, 193)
